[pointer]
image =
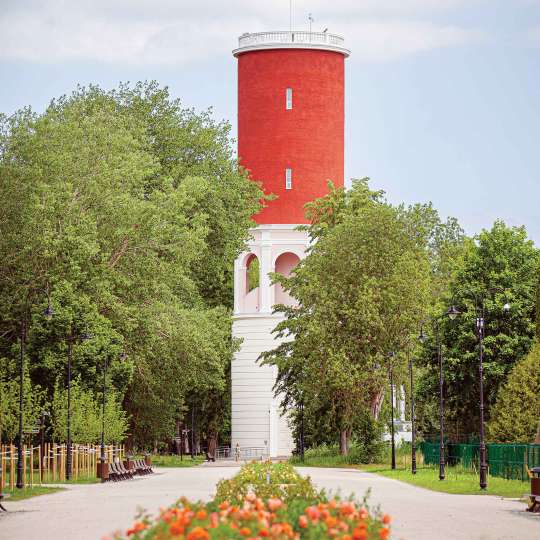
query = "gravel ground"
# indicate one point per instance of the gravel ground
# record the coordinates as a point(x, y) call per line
point(420, 514)
point(92, 511)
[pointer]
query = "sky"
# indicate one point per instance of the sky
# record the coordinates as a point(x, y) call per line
point(442, 96)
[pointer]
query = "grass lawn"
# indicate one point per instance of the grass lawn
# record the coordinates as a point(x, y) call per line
point(26, 493)
point(457, 481)
point(175, 461)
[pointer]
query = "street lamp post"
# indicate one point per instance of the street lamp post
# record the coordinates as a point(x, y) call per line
point(391, 355)
point(20, 481)
point(451, 313)
point(69, 456)
point(48, 315)
point(103, 403)
point(441, 407)
point(479, 300)
point(302, 447)
point(413, 420)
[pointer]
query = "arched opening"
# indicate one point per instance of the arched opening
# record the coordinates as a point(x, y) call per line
point(285, 265)
point(252, 290)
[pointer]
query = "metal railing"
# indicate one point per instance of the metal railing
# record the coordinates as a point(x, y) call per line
point(244, 453)
point(286, 37)
point(509, 461)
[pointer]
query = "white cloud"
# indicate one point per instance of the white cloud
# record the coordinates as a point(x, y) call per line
point(178, 32)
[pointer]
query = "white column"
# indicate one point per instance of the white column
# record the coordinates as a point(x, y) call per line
point(266, 288)
point(239, 283)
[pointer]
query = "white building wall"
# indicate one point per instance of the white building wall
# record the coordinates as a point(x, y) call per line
point(256, 418)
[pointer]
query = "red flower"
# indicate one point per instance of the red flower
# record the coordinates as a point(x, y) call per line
point(302, 522)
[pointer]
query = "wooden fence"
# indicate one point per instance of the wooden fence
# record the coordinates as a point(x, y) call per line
point(47, 464)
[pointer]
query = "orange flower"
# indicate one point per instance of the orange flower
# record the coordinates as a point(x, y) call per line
point(346, 537)
point(214, 520)
point(274, 504)
point(312, 512)
point(347, 508)
point(384, 533)
point(177, 528)
point(331, 521)
point(359, 534)
point(245, 531)
point(198, 533)
point(137, 527)
point(201, 514)
point(302, 522)
point(224, 505)
point(363, 514)
point(386, 519)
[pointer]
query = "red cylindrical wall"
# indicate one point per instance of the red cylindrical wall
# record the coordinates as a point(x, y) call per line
point(308, 139)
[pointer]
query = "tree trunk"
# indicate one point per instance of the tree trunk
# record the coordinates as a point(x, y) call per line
point(537, 440)
point(344, 442)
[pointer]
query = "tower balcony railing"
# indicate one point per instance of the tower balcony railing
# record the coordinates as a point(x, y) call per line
point(293, 38)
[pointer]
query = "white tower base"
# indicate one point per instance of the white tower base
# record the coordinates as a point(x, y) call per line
point(256, 419)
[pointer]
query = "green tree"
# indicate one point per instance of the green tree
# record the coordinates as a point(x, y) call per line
point(126, 211)
point(515, 415)
point(362, 291)
point(500, 266)
point(86, 415)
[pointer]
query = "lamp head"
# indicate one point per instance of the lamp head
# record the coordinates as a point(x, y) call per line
point(453, 312)
point(422, 337)
point(506, 308)
point(48, 312)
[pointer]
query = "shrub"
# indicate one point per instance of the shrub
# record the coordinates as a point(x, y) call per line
point(516, 413)
point(268, 481)
point(256, 517)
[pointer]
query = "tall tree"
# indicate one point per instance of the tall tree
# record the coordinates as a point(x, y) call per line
point(361, 290)
point(500, 266)
point(126, 211)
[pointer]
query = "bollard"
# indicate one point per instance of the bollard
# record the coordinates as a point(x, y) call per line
point(267, 477)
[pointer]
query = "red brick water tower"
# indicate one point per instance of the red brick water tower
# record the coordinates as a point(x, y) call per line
point(291, 117)
point(291, 140)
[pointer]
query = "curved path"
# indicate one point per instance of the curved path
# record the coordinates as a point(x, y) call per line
point(420, 514)
point(92, 511)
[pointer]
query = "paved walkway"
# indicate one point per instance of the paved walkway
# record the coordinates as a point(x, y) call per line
point(420, 514)
point(91, 511)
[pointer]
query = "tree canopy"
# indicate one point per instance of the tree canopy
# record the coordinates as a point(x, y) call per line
point(125, 211)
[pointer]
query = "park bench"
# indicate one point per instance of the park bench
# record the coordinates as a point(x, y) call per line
point(142, 468)
point(118, 472)
point(1, 498)
point(534, 497)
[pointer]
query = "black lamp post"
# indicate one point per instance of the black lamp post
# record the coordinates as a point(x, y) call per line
point(480, 329)
point(102, 459)
point(413, 420)
point(302, 446)
point(48, 313)
point(391, 356)
point(85, 336)
point(451, 313)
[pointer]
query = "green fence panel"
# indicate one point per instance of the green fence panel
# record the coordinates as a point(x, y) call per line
point(508, 461)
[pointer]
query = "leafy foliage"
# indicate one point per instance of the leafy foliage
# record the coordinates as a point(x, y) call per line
point(126, 212)
point(515, 415)
point(362, 291)
point(86, 416)
point(499, 267)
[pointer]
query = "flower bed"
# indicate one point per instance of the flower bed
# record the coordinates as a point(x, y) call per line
point(303, 513)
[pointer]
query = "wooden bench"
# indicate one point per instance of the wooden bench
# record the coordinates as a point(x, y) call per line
point(534, 497)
